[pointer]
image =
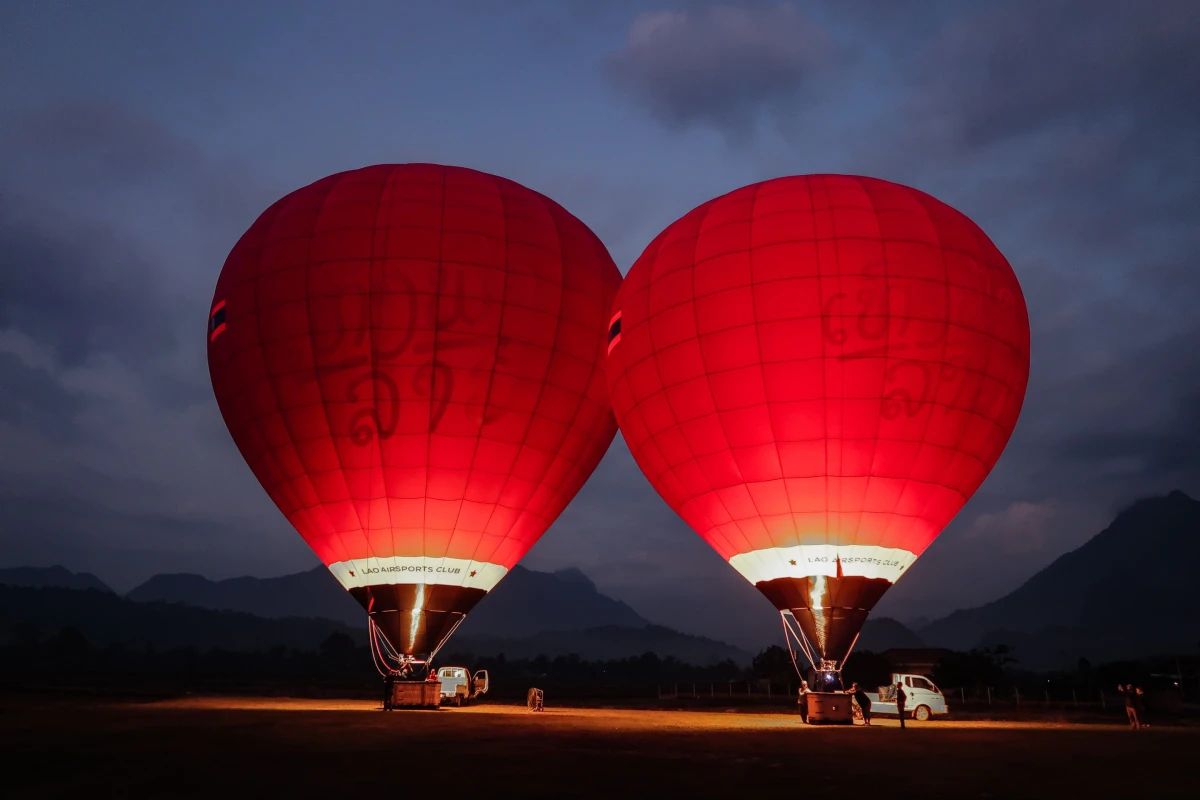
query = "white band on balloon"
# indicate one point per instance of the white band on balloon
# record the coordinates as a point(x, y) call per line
point(802, 561)
point(418, 569)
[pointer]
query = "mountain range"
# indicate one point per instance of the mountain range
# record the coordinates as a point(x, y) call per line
point(57, 577)
point(525, 603)
point(105, 618)
point(1125, 593)
point(528, 614)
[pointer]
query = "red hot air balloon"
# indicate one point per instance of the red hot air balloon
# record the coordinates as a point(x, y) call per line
point(409, 357)
point(816, 373)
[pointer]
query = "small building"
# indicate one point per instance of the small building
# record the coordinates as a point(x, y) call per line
point(917, 660)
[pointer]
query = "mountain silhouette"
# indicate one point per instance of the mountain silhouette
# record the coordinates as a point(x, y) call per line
point(315, 593)
point(1125, 593)
point(525, 603)
point(529, 613)
point(884, 633)
point(56, 577)
point(105, 618)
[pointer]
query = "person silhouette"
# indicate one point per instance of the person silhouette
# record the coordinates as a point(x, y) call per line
point(900, 699)
point(864, 702)
point(1131, 704)
point(389, 683)
point(1139, 705)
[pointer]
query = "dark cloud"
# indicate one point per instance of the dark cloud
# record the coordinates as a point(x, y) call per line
point(1068, 130)
point(81, 151)
point(80, 290)
point(1012, 70)
point(719, 65)
point(32, 399)
point(1100, 97)
point(45, 523)
point(96, 140)
point(1162, 438)
point(112, 230)
point(1085, 110)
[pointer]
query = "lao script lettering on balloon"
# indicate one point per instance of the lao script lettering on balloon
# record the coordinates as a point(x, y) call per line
point(370, 373)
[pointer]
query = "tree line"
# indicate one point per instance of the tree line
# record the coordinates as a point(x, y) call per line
point(342, 666)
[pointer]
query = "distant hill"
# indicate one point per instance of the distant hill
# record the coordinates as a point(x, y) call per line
point(606, 643)
point(1125, 593)
point(525, 603)
point(884, 633)
point(105, 618)
point(56, 577)
point(315, 593)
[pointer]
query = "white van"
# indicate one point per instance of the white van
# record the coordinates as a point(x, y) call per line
point(922, 699)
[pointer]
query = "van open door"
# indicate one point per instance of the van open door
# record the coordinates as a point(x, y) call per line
point(481, 683)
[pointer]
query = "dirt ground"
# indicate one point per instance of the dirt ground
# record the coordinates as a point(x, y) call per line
point(318, 748)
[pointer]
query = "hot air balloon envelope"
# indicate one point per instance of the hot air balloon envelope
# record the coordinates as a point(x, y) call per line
point(409, 357)
point(816, 373)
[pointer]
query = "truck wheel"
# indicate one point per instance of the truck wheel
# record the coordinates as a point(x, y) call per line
point(921, 714)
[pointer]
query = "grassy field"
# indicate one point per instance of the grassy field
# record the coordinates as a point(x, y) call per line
point(198, 747)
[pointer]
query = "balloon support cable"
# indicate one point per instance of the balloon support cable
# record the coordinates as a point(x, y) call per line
point(384, 655)
point(792, 633)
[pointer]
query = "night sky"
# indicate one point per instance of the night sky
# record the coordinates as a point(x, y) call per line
point(139, 140)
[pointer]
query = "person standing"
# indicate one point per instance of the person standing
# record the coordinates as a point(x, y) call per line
point(1130, 705)
point(1139, 705)
point(389, 683)
point(802, 701)
point(864, 702)
point(900, 699)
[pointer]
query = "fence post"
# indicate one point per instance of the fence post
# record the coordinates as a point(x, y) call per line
point(1047, 697)
point(694, 695)
point(768, 691)
point(1103, 705)
point(963, 694)
point(1017, 693)
point(989, 695)
point(1074, 699)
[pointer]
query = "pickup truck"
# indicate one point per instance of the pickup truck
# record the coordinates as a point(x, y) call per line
point(459, 686)
point(922, 699)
